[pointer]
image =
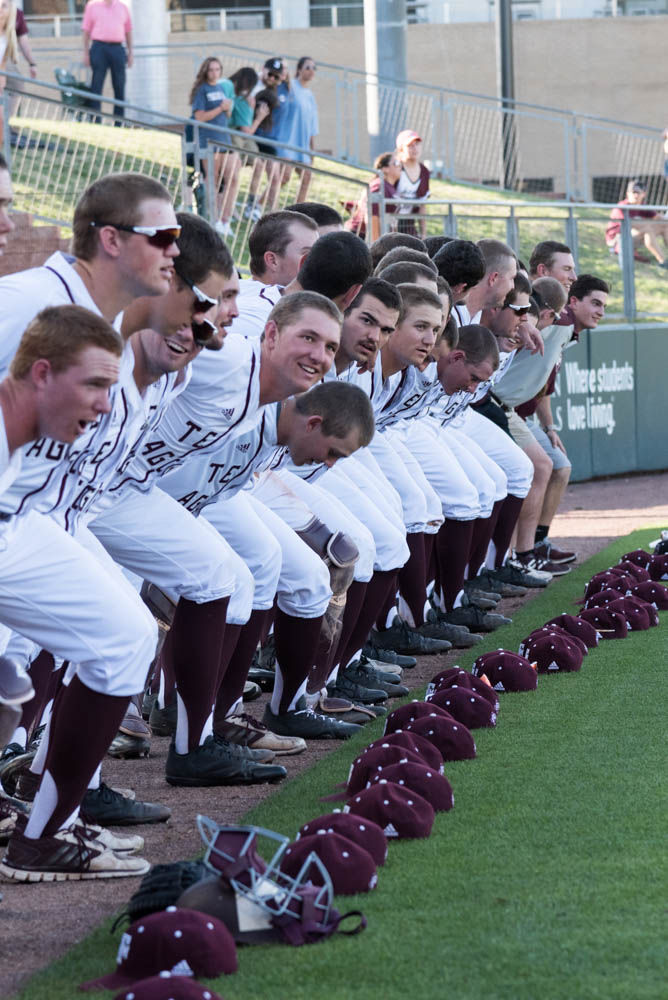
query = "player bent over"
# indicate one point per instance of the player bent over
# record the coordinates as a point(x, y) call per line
point(59, 596)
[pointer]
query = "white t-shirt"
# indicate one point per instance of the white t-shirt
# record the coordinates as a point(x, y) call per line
point(10, 464)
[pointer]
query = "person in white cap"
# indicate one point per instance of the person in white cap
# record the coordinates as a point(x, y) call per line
point(413, 183)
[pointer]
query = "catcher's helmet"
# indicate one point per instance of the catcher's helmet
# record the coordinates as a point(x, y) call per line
point(253, 897)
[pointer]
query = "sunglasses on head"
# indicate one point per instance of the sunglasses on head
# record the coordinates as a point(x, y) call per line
point(203, 302)
point(157, 236)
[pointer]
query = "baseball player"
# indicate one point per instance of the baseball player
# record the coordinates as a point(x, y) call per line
point(58, 595)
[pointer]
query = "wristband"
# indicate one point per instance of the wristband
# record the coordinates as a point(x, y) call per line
point(550, 427)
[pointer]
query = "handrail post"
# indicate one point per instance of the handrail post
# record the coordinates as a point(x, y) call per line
point(627, 263)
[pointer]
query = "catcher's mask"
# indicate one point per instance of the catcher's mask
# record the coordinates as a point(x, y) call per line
point(252, 896)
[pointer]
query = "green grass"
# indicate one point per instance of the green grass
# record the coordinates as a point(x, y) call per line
point(546, 880)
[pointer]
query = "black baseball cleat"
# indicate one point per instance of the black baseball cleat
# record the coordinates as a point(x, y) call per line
point(475, 618)
point(344, 687)
point(104, 806)
point(404, 639)
point(213, 763)
point(310, 725)
point(373, 652)
point(163, 720)
point(459, 635)
point(520, 576)
point(546, 550)
point(488, 579)
point(476, 599)
point(262, 677)
point(133, 739)
point(365, 673)
point(474, 592)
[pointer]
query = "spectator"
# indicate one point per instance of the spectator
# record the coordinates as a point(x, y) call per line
point(300, 123)
point(390, 165)
point(13, 36)
point(212, 100)
point(248, 113)
point(645, 227)
point(106, 26)
point(413, 183)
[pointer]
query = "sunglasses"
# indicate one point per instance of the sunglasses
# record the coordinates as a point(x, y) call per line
point(157, 236)
point(203, 331)
point(203, 302)
point(520, 310)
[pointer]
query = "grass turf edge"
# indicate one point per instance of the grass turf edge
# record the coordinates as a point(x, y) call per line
point(528, 887)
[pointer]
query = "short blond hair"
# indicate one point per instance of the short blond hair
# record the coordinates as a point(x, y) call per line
point(58, 335)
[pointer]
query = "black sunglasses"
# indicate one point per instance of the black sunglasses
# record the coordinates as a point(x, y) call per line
point(157, 236)
point(519, 310)
point(203, 302)
point(203, 331)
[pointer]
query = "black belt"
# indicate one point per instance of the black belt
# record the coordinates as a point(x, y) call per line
point(499, 402)
point(5, 517)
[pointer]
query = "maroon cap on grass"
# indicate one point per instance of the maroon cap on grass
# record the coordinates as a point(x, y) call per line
point(405, 714)
point(658, 567)
point(167, 987)
point(551, 653)
point(351, 868)
point(400, 812)
point(636, 612)
point(452, 738)
point(577, 626)
point(639, 557)
point(426, 751)
point(603, 597)
point(361, 831)
point(426, 781)
point(507, 671)
point(606, 581)
point(608, 623)
point(466, 706)
point(558, 630)
point(462, 678)
point(651, 592)
point(639, 573)
point(373, 761)
point(181, 941)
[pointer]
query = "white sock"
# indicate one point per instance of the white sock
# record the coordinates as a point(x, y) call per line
point(405, 612)
point(43, 807)
point(181, 737)
point(37, 765)
point(20, 736)
point(458, 599)
point(301, 691)
point(94, 782)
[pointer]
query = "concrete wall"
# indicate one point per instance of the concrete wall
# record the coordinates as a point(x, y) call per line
point(611, 67)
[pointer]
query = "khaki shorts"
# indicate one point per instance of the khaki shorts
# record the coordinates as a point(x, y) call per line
point(244, 142)
point(519, 431)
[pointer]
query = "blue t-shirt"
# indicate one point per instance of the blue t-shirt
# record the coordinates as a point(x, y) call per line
point(278, 114)
point(300, 121)
point(207, 97)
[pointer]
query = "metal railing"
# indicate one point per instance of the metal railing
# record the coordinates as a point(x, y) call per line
point(468, 137)
point(638, 285)
point(56, 149)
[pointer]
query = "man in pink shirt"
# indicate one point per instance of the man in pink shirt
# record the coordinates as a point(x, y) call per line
point(106, 26)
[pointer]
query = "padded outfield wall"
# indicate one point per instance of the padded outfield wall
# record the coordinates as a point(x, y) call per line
point(611, 401)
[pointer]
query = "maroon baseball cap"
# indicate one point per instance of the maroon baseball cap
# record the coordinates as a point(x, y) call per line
point(605, 581)
point(608, 623)
point(373, 761)
point(452, 738)
point(639, 573)
point(462, 678)
point(426, 781)
point(658, 568)
point(351, 868)
point(466, 706)
point(507, 671)
point(603, 597)
point(362, 831)
point(552, 652)
point(399, 811)
point(165, 986)
point(636, 612)
point(405, 714)
point(558, 630)
point(185, 942)
point(639, 557)
point(426, 751)
point(577, 626)
point(651, 592)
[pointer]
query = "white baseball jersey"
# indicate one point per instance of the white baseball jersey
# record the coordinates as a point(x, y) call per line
point(256, 300)
point(69, 481)
point(10, 464)
point(220, 402)
point(25, 293)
